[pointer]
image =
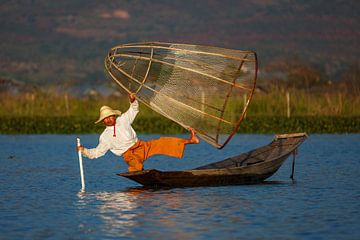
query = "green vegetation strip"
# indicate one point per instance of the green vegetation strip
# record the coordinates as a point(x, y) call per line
point(76, 125)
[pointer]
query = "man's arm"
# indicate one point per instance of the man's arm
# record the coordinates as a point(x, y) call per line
point(131, 113)
point(97, 152)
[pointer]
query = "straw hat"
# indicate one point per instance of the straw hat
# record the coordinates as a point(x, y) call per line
point(105, 112)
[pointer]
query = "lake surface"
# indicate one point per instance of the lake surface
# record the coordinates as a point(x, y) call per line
point(40, 194)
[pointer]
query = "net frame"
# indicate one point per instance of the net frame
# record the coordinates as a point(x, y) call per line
point(114, 67)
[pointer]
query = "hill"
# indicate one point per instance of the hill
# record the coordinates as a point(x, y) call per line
point(52, 42)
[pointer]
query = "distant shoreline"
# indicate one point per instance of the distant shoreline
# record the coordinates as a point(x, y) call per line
point(161, 125)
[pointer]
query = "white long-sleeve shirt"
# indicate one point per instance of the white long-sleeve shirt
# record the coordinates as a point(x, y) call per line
point(124, 138)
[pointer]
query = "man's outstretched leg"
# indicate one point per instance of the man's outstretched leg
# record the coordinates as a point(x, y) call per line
point(169, 146)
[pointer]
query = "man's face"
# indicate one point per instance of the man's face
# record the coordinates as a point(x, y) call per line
point(110, 121)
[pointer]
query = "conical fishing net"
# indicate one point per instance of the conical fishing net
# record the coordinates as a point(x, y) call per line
point(203, 87)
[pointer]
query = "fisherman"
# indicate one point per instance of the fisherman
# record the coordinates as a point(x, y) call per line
point(120, 138)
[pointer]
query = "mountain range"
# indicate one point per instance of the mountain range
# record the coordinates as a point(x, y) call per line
point(64, 42)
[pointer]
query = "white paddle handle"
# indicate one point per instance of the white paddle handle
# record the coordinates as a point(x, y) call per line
point(81, 166)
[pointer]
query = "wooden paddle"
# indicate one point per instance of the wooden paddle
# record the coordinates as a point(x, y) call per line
point(81, 166)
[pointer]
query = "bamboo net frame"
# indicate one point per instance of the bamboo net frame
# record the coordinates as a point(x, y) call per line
point(192, 85)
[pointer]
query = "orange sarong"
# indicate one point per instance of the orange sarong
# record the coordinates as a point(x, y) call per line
point(141, 150)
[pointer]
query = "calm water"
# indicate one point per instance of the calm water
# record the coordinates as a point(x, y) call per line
point(40, 183)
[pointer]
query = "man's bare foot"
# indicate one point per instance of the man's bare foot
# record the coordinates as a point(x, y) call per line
point(193, 138)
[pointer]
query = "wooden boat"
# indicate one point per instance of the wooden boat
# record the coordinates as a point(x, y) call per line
point(248, 168)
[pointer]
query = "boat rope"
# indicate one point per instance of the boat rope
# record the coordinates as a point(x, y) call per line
point(293, 164)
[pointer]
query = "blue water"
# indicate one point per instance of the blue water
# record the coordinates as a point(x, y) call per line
point(40, 194)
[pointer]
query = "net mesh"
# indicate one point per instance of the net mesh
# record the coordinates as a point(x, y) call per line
point(202, 87)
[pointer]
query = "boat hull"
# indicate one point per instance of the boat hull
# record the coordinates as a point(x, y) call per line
point(217, 177)
point(248, 168)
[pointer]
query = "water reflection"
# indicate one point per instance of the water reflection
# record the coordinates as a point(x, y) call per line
point(115, 210)
point(149, 213)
